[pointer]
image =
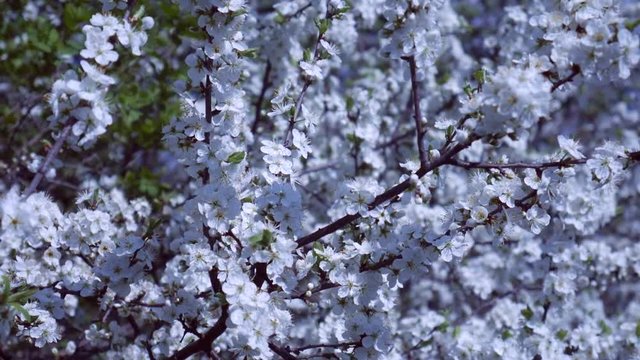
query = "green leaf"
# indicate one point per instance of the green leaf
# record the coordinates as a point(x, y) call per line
point(153, 224)
point(6, 289)
point(236, 157)
point(342, 11)
point(322, 25)
point(307, 55)
point(424, 343)
point(21, 296)
point(131, 116)
point(138, 14)
point(450, 131)
point(350, 102)
point(261, 240)
point(443, 78)
point(280, 19)
point(353, 138)
point(479, 76)
point(443, 326)
point(506, 334)
point(74, 15)
point(606, 330)
point(19, 308)
point(632, 24)
point(250, 53)
point(638, 329)
point(318, 248)
point(468, 90)
point(221, 298)
point(527, 313)
point(561, 334)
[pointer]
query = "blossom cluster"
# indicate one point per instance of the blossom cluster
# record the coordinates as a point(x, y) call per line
point(81, 99)
point(356, 179)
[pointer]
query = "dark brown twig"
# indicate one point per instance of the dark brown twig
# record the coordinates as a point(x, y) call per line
point(265, 85)
point(417, 115)
point(388, 195)
point(51, 155)
point(575, 71)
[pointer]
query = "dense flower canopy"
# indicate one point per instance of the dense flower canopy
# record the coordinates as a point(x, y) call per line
point(363, 179)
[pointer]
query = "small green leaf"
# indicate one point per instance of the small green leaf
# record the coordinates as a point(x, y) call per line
point(424, 343)
point(561, 334)
point(353, 138)
point(506, 334)
point(221, 298)
point(19, 308)
point(318, 248)
point(443, 327)
point(250, 53)
point(349, 103)
point(632, 24)
point(323, 25)
point(280, 19)
point(450, 131)
point(153, 224)
point(307, 55)
point(138, 14)
point(540, 42)
point(21, 296)
point(606, 330)
point(468, 90)
point(527, 313)
point(6, 289)
point(638, 330)
point(236, 157)
point(443, 78)
point(261, 240)
point(479, 76)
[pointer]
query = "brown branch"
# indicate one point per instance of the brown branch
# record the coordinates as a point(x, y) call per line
point(518, 165)
point(417, 115)
point(281, 352)
point(575, 70)
point(51, 155)
point(265, 85)
point(305, 87)
point(208, 110)
point(260, 274)
point(322, 287)
point(204, 343)
point(396, 138)
point(388, 195)
point(296, 111)
point(389, 260)
point(337, 345)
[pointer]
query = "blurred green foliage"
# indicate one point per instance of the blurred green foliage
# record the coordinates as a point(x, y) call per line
point(37, 47)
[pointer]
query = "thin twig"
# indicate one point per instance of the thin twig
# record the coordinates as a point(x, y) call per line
point(281, 352)
point(388, 195)
point(305, 87)
point(265, 85)
point(416, 110)
point(575, 70)
point(296, 111)
point(336, 345)
point(204, 343)
point(50, 156)
point(517, 165)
